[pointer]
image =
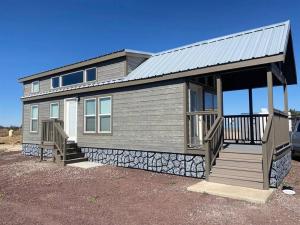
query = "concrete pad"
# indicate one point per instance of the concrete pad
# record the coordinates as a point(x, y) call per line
point(233, 192)
point(85, 165)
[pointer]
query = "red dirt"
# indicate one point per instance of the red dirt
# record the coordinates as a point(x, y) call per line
point(44, 193)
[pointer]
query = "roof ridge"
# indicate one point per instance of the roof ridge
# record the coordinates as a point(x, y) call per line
point(220, 38)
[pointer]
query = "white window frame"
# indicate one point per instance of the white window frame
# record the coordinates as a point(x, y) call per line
point(99, 115)
point(85, 74)
point(59, 82)
point(61, 78)
point(37, 119)
point(32, 85)
point(85, 116)
point(54, 103)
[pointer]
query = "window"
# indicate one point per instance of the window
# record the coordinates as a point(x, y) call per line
point(90, 115)
point(210, 101)
point(34, 119)
point(72, 78)
point(104, 115)
point(54, 110)
point(55, 82)
point(35, 87)
point(298, 128)
point(90, 74)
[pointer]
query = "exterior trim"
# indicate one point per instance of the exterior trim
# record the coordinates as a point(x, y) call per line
point(85, 75)
point(84, 116)
point(221, 69)
point(37, 131)
point(111, 115)
point(59, 82)
point(32, 84)
point(65, 114)
point(54, 103)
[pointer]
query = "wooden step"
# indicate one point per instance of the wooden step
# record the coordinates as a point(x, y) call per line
point(74, 155)
point(229, 155)
point(233, 171)
point(82, 159)
point(240, 163)
point(237, 181)
point(72, 150)
point(71, 145)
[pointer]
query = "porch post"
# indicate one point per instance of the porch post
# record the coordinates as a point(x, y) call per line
point(286, 105)
point(220, 104)
point(219, 96)
point(251, 115)
point(270, 92)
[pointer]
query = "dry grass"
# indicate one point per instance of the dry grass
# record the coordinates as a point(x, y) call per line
point(8, 144)
point(14, 140)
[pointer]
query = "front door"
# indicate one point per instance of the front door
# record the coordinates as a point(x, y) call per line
point(71, 118)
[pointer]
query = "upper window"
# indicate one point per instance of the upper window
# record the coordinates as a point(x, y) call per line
point(104, 115)
point(90, 74)
point(34, 116)
point(210, 101)
point(35, 86)
point(54, 110)
point(55, 82)
point(72, 78)
point(90, 115)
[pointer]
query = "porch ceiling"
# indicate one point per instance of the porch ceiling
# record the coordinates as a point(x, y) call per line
point(255, 78)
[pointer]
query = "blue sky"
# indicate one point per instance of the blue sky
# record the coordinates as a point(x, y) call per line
point(39, 35)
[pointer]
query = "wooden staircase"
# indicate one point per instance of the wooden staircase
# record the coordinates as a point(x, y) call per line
point(239, 165)
point(73, 154)
point(54, 137)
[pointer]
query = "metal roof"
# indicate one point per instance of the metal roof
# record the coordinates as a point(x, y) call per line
point(261, 42)
point(257, 43)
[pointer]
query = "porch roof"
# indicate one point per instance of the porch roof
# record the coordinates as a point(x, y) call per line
point(258, 43)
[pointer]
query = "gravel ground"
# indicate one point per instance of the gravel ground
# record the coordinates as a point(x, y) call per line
point(33, 192)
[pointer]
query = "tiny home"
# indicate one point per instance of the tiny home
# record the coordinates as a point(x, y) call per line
point(163, 112)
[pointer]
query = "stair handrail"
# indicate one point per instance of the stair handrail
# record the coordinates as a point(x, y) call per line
point(213, 142)
point(268, 150)
point(56, 134)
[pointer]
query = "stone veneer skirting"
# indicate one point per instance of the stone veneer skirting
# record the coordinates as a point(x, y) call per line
point(171, 163)
point(280, 168)
point(34, 150)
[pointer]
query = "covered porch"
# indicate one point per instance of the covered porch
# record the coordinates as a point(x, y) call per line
point(237, 144)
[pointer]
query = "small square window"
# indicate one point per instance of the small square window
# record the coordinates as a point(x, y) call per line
point(35, 86)
point(91, 74)
point(55, 82)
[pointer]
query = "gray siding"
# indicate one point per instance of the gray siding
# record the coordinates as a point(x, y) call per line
point(134, 62)
point(44, 114)
point(44, 86)
point(149, 119)
point(111, 71)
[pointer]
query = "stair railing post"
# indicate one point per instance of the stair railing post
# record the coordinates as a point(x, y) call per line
point(207, 160)
point(64, 150)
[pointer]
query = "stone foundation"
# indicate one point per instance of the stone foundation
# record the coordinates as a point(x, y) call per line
point(280, 168)
point(171, 163)
point(34, 150)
